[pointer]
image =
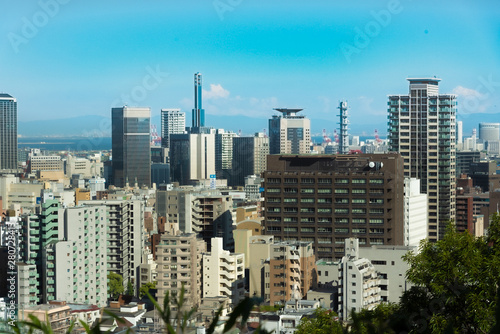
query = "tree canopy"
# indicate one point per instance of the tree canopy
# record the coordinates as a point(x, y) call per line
point(455, 282)
point(323, 322)
point(115, 285)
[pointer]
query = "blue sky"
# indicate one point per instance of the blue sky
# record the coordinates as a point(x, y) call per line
point(66, 58)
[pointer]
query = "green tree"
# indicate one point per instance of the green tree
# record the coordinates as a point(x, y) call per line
point(115, 285)
point(130, 288)
point(322, 322)
point(456, 282)
point(383, 319)
point(144, 289)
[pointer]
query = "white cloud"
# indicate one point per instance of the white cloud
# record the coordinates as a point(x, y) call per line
point(216, 92)
point(465, 92)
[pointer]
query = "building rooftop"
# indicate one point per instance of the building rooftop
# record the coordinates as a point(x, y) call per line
point(5, 95)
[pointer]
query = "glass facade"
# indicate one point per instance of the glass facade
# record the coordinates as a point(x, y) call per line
point(8, 132)
point(131, 146)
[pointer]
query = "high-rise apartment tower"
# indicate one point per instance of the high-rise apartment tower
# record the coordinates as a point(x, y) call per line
point(422, 130)
point(172, 121)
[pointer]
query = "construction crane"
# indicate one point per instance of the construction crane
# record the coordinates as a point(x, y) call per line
point(326, 139)
point(155, 139)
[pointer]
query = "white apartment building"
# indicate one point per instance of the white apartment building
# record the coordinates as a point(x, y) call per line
point(223, 273)
point(391, 269)
point(359, 282)
point(415, 213)
point(172, 121)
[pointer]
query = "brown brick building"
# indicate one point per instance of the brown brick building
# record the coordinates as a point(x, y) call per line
point(325, 199)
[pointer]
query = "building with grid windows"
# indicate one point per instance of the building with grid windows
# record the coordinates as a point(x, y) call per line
point(8, 132)
point(289, 133)
point(422, 130)
point(130, 146)
point(172, 121)
point(325, 199)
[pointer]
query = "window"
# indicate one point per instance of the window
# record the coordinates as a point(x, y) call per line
point(324, 210)
point(359, 210)
point(307, 210)
point(274, 190)
point(376, 231)
point(341, 211)
point(325, 181)
point(358, 181)
point(324, 200)
point(341, 200)
point(307, 200)
point(359, 220)
point(342, 220)
point(290, 229)
point(342, 230)
point(359, 230)
point(274, 180)
point(376, 220)
point(377, 211)
point(342, 181)
point(274, 200)
point(307, 180)
point(376, 181)
point(325, 191)
point(359, 191)
point(290, 200)
point(291, 180)
point(307, 220)
point(307, 229)
point(376, 241)
point(290, 219)
point(291, 190)
point(376, 201)
point(359, 201)
point(341, 191)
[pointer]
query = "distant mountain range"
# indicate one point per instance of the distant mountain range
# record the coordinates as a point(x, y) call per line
point(100, 126)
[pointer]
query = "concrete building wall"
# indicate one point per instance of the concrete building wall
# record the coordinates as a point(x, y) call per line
point(415, 213)
point(223, 273)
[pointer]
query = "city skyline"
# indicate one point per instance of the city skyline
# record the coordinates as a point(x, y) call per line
point(254, 57)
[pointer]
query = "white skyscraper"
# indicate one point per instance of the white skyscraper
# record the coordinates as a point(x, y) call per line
point(172, 121)
point(422, 129)
point(460, 139)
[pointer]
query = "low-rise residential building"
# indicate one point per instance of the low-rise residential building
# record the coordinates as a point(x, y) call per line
point(359, 282)
point(223, 273)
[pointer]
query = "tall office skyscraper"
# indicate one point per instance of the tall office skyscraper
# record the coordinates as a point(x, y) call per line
point(223, 153)
point(289, 133)
point(172, 121)
point(422, 129)
point(249, 157)
point(192, 157)
point(130, 145)
point(8, 132)
point(198, 116)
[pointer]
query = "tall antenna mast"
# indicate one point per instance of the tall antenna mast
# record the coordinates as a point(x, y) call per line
point(344, 122)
